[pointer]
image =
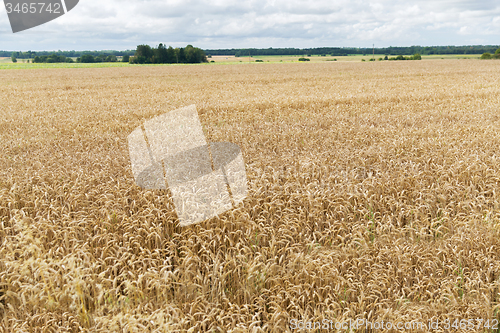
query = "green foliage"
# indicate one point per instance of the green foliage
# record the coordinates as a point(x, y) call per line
point(86, 58)
point(53, 58)
point(125, 58)
point(161, 55)
point(14, 60)
point(194, 55)
point(304, 59)
point(486, 56)
point(345, 51)
point(143, 55)
point(333, 51)
point(416, 56)
point(111, 58)
point(258, 60)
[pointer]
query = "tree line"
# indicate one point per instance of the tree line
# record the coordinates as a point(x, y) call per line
point(53, 58)
point(345, 51)
point(67, 54)
point(146, 54)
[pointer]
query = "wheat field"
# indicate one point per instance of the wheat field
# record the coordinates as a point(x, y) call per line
point(374, 193)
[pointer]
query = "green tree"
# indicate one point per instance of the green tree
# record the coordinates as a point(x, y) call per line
point(126, 58)
point(171, 57)
point(160, 54)
point(143, 54)
point(497, 54)
point(110, 58)
point(87, 58)
point(181, 56)
point(486, 56)
point(13, 57)
point(194, 55)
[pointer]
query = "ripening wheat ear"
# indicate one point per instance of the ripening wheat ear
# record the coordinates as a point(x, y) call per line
point(372, 195)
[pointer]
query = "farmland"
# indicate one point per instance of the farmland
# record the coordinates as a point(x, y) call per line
point(374, 193)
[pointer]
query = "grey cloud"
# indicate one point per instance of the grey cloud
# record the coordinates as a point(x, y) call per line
point(263, 23)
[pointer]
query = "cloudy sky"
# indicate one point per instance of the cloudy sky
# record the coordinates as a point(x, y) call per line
point(123, 24)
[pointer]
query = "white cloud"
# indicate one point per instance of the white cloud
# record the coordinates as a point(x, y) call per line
point(123, 24)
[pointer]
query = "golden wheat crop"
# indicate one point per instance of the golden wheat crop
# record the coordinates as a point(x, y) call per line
point(374, 193)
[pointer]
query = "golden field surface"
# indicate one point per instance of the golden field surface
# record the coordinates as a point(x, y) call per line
point(374, 193)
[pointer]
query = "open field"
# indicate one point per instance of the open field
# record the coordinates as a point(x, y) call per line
point(6, 63)
point(374, 193)
point(315, 58)
point(357, 57)
point(21, 65)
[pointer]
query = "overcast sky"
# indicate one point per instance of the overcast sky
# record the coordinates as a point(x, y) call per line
point(123, 24)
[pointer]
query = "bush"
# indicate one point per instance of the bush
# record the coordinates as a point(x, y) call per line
point(417, 56)
point(125, 58)
point(86, 58)
point(258, 60)
point(363, 60)
point(304, 59)
point(380, 59)
point(486, 56)
point(111, 58)
point(14, 60)
point(53, 58)
point(386, 57)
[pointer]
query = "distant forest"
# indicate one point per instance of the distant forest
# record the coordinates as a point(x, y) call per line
point(344, 51)
point(146, 54)
point(68, 54)
point(333, 51)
